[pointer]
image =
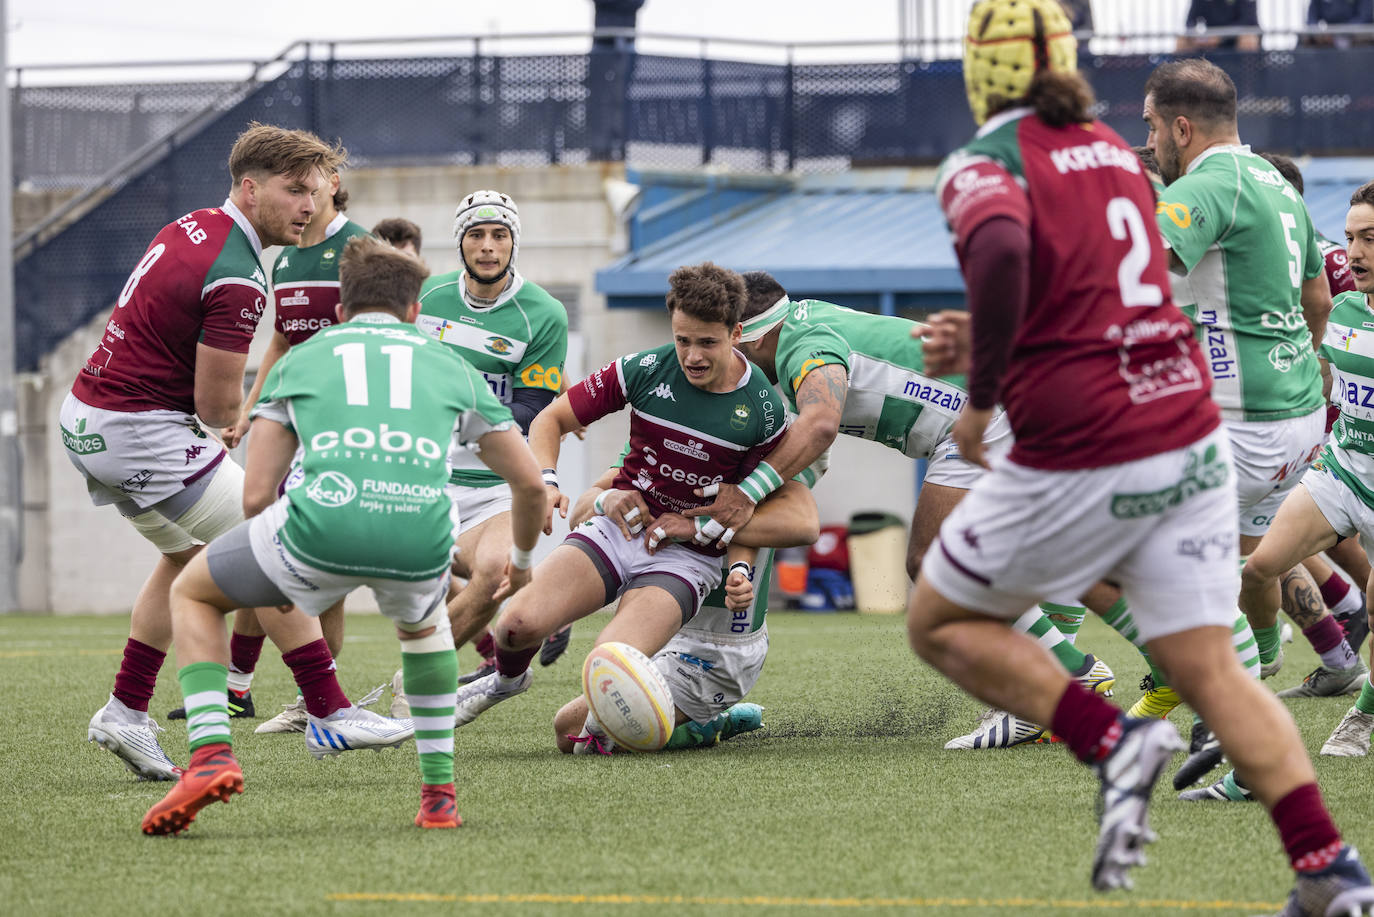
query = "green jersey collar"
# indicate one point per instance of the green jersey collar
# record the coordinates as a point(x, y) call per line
point(1233, 148)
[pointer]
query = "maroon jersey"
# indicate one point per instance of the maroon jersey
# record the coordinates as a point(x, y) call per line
point(1104, 368)
point(305, 282)
point(682, 437)
point(199, 282)
point(1337, 265)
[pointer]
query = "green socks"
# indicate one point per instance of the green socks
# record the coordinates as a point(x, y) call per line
point(204, 686)
point(431, 681)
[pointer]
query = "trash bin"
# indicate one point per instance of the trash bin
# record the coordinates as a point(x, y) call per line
point(877, 562)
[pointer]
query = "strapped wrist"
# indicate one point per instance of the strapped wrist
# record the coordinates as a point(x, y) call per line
point(760, 482)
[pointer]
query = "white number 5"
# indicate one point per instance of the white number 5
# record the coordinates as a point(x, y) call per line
point(1125, 222)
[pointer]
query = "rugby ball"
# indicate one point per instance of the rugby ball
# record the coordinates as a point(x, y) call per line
point(628, 696)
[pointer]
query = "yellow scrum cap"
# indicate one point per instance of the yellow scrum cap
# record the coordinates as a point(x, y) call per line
point(1008, 42)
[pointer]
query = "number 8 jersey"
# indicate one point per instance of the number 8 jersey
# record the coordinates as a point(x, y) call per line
point(1104, 368)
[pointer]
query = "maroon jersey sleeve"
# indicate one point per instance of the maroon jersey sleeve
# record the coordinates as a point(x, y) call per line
point(977, 192)
point(601, 393)
point(232, 309)
point(1338, 271)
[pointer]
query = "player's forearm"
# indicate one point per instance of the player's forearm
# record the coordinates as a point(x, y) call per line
point(996, 268)
point(548, 429)
point(276, 349)
point(788, 518)
point(1316, 307)
point(527, 513)
point(805, 441)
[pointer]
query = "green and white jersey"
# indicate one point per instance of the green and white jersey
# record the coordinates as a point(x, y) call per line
point(890, 400)
point(520, 341)
point(375, 405)
point(1247, 242)
point(1349, 346)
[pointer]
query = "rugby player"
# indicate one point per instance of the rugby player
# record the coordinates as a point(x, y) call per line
point(700, 413)
point(373, 405)
point(1130, 479)
point(174, 348)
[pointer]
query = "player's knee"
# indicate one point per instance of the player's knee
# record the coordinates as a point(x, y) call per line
point(516, 631)
point(1257, 573)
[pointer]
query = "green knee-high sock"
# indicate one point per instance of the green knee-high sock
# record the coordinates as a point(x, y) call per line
point(1119, 619)
point(204, 686)
point(1067, 618)
point(1246, 644)
point(1365, 702)
point(431, 682)
point(1267, 639)
point(1037, 624)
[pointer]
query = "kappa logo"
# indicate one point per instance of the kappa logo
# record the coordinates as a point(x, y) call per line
point(193, 453)
point(282, 262)
point(665, 390)
point(257, 275)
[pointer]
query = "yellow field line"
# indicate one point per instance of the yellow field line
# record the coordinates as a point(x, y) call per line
point(21, 654)
point(1149, 904)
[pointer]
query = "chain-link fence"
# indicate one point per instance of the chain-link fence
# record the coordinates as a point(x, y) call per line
point(654, 111)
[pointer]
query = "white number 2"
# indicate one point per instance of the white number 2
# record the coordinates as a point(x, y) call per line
point(1125, 222)
point(354, 356)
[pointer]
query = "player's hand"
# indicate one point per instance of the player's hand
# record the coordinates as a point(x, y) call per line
point(627, 509)
point(729, 513)
point(556, 500)
point(668, 529)
point(516, 579)
point(968, 434)
point(946, 342)
point(739, 591)
point(234, 434)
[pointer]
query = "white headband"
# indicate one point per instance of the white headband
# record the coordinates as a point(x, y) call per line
point(765, 321)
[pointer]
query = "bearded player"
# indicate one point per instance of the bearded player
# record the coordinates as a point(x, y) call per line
point(1129, 480)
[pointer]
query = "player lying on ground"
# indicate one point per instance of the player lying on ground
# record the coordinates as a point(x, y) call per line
point(373, 404)
point(700, 413)
point(1106, 485)
point(713, 662)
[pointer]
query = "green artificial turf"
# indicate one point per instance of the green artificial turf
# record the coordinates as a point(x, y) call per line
point(845, 802)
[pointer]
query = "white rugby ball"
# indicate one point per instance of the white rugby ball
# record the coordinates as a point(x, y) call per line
point(628, 696)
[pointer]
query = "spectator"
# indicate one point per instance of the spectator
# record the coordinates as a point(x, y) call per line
point(1323, 13)
point(1220, 14)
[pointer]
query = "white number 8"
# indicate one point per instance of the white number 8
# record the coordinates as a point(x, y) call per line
point(144, 266)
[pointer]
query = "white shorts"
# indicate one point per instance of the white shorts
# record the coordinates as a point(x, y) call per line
point(1270, 458)
point(218, 507)
point(684, 574)
point(1347, 513)
point(950, 469)
point(1163, 527)
point(246, 560)
point(136, 459)
point(476, 505)
point(708, 674)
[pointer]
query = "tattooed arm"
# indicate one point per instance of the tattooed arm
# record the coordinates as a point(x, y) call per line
point(1301, 600)
point(820, 402)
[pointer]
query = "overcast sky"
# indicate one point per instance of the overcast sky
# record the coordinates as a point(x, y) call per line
point(89, 31)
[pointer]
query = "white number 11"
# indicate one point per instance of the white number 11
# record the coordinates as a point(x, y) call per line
point(354, 356)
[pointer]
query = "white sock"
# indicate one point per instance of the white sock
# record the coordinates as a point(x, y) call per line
point(240, 681)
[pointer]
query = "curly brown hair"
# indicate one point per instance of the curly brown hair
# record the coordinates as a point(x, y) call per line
point(707, 292)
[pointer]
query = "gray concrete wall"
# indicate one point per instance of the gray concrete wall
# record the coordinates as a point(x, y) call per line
point(79, 558)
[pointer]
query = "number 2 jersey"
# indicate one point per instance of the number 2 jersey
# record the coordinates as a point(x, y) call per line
point(375, 404)
point(682, 437)
point(1103, 368)
point(199, 282)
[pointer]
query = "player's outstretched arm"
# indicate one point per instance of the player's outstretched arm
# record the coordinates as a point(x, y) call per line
point(546, 436)
point(788, 518)
point(820, 402)
point(219, 385)
point(505, 452)
point(276, 349)
point(1316, 307)
point(270, 451)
